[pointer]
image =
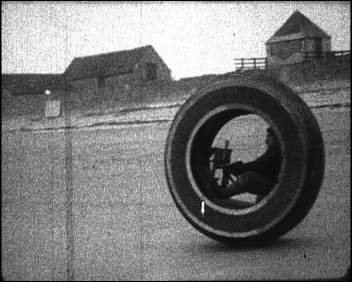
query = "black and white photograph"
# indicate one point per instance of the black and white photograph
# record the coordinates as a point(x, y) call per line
point(175, 140)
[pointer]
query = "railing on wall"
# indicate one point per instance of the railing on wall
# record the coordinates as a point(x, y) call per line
point(250, 63)
point(339, 56)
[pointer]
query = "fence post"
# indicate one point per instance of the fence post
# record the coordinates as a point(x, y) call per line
point(242, 63)
point(255, 63)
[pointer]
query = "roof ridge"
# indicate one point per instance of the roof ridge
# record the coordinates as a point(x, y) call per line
point(105, 64)
point(114, 52)
point(298, 23)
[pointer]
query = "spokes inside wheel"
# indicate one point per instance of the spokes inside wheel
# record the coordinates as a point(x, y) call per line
point(225, 139)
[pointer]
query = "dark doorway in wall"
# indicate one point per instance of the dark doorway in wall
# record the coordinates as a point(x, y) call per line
point(318, 47)
point(151, 71)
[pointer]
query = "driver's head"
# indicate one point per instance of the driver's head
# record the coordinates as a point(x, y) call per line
point(271, 139)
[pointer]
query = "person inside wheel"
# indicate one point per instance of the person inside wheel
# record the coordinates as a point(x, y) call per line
point(257, 177)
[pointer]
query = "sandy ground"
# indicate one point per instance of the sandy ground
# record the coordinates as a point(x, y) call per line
point(125, 225)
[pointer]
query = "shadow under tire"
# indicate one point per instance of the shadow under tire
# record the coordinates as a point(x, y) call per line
point(191, 136)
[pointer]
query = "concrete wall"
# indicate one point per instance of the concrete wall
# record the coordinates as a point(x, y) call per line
point(88, 101)
point(117, 97)
point(311, 71)
point(294, 58)
point(326, 45)
point(287, 52)
point(310, 45)
point(290, 52)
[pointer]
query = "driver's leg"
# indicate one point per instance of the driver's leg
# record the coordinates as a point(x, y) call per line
point(233, 189)
point(255, 183)
point(248, 182)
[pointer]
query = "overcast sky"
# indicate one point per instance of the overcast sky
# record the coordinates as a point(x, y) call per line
point(193, 38)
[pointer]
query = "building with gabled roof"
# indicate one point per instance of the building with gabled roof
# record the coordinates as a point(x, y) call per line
point(122, 67)
point(106, 80)
point(296, 36)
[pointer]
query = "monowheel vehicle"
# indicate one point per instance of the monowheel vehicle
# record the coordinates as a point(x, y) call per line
point(192, 145)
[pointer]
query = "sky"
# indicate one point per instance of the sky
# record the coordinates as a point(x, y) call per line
point(193, 38)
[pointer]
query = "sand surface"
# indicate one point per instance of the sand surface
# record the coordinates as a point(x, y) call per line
point(125, 225)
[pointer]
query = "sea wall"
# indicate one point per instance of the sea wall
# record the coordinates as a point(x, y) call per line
point(87, 101)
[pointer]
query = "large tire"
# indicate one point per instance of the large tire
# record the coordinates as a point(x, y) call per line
point(191, 135)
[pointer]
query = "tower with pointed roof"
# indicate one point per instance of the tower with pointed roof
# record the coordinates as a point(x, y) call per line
point(296, 36)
